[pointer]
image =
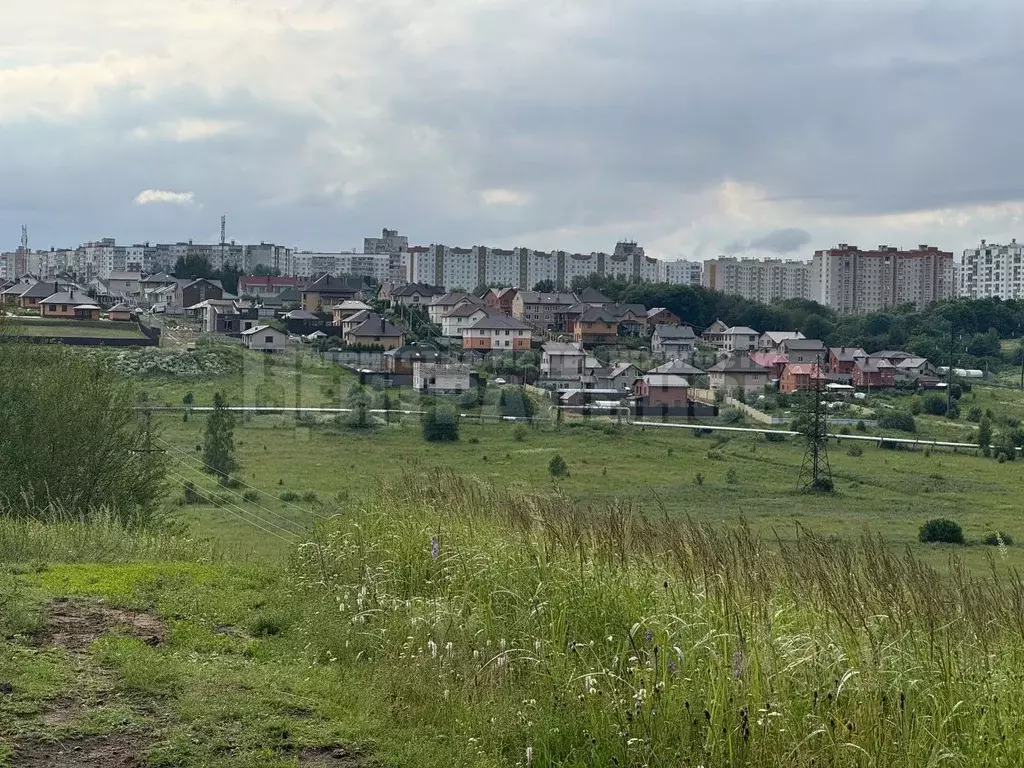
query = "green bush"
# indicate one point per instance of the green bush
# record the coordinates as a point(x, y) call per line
point(901, 422)
point(775, 437)
point(251, 495)
point(519, 433)
point(999, 538)
point(935, 404)
point(861, 426)
point(915, 406)
point(290, 496)
point(942, 531)
point(854, 450)
point(557, 466)
point(440, 426)
point(974, 414)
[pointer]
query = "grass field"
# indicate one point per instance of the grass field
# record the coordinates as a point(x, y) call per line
point(72, 328)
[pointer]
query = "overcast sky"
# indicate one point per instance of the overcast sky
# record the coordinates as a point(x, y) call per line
point(695, 127)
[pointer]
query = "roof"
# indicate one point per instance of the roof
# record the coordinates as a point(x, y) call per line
point(597, 315)
point(160, 277)
point(679, 368)
point(421, 288)
point(658, 311)
point(88, 306)
point(554, 299)
point(594, 296)
point(414, 352)
point(64, 297)
point(267, 281)
point(618, 369)
point(847, 354)
point(737, 364)
point(562, 348)
point(666, 381)
point(621, 309)
point(892, 353)
point(300, 314)
point(375, 327)
point(806, 345)
point(912, 362)
point(352, 304)
point(455, 297)
point(804, 369)
point(777, 337)
point(122, 307)
point(125, 276)
point(467, 310)
point(330, 284)
point(675, 332)
point(362, 316)
point(739, 330)
point(190, 283)
point(261, 328)
point(768, 359)
point(499, 323)
point(41, 290)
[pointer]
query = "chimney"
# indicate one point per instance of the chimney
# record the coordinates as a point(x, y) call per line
point(382, 324)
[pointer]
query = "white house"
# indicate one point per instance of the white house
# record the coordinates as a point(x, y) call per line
point(771, 340)
point(561, 360)
point(265, 338)
point(462, 317)
point(739, 338)
point(445, 305)
point(673, 342)
point(441, 377)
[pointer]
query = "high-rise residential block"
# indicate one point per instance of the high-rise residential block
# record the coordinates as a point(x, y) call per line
point(680, 272)
point(764, 280)
point(853, 281)
point(993, 271)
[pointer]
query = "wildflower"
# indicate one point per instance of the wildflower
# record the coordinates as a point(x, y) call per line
point(433, 648)
point(529, 755)
point(435, 548)
point(448, 648)
point(648, 635)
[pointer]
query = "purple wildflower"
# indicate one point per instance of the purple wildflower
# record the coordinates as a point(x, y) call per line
point(435, 548)
point(648, 635)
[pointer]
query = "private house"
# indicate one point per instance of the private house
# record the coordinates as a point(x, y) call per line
point(66, 305)
point(874, 373)
point(33, 296)
point(893, 356)
point(148, 285)
point(679, 368)
point(265, 338)
point(326, 292)
point(661, 316)
point(456, 322)
point(662, 390)
point(737, 372)
point(259, 286)
point(775, 361)
point(226, 316)
point(11, 295)
point(562, 361)
point(596, 326)
point(346, 309)
point(739, 338)
point(632, 318)
point(302, 322)
point(354, 321)
point(714, 334)
point(542, 311)
point(415, 294)
point(195, 291)
point(121, 313)
point(842, 359)
point(804, 351)
point(915, 371)
point(442, 378)
point(772, 340)
point(620, 376)
point(448, 303)
point(498, 332)
point(125, 284)
point(382, 333)
point(673, 342)
point(500, 300)
point(594, 298)
point(798, 377)
point(402, 359)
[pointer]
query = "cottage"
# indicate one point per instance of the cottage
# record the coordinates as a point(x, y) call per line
point(873, 373)
point(125, 284)
point(799, 377)
point(771, 340)
point(402, 359)
point(500, 300)
point(327, 291)
point(662, 389)
point(673, 342)
point(563, 361)
point(632, 318)
point(737, 372)
point(68, 306)
point(843, 359)
point(415, 295)
point(380, 332)
point(804, 350)
point(661, 316)
point(775, 361)
point(265, 338)
point(620, 376)
point(596, 326)
point(594, 298)
point(679, 368)
point(261, 286)
point(449, 302)
point(498, 332)
point(121, 313)
point(346, 309)
point(738, 338)
point(354, 321)
point(192, 292)
point(543, 311)
point(464, 316)
point(714, 334)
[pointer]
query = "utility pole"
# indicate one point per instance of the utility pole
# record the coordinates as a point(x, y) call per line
point(949, 373)
point(223, 237)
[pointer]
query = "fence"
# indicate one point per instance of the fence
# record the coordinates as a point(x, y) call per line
point(708, 396)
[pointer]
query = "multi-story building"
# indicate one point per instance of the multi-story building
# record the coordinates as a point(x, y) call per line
point(764, 280)
point(993, 271)
point(543, 311)
point(389, 242)
point(680, 272)
point(853, 281)
point(308, 264)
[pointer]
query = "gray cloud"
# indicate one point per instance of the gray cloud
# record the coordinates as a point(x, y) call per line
point(607, 119)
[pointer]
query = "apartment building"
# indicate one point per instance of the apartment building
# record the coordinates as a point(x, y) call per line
point(853, 281)
point(992, 271)
point(680, 272)
point(764, 280)
point(309, 264)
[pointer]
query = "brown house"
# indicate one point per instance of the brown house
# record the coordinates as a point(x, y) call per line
point(376, 332)
point(69, 306)
point(199, 291)
point(843, 359)
point(661, 316)
point(500, 300)
point(121, 313)
point(662, 389)
point(596, 326)
point(798, 377)
point(873, 373)
point(325, 292)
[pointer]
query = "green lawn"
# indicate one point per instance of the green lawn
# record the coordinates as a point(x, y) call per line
point(73, 328)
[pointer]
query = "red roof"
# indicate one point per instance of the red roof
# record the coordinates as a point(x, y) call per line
point(804, 369)
point(768, 359)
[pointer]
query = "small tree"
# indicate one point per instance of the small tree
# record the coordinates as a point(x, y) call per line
point(985, 435)
point(557, 466)
point(440, 426)
point(188, 399)
point(941, 531)
point(935, 404)
point(219, 442)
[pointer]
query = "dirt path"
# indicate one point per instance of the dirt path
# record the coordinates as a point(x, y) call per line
point(73, 625)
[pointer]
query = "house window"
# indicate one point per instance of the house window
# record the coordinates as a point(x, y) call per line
point(53, 307)
point(268, 339)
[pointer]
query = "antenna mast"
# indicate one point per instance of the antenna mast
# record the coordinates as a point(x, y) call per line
point(816, 472)
point(223, 238)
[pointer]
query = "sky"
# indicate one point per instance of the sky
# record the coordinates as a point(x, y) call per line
point(695, 127)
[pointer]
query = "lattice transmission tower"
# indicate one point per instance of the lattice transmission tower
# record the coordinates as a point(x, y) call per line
point(816, 472)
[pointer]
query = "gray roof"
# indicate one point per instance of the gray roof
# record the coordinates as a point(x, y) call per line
point(780, 336)
point(666, 380)
point(740, 330)
point(376, 327)
point(804, 345)
point(362, 316)
point(260, 329)
point(679, 368)
point(562, 348)
point(554, 299)
point(467, 310)
point(658, 310)
point(420, 288)
point(125, 276)
point(64, 297)
point(300, 314)
point(122, 307)
point(847, 354)
point(594, 296)
point(455, 297)
point(597, 314)
point(737, 364)
point(618, 369)
point(675, 332)
point(499, 323)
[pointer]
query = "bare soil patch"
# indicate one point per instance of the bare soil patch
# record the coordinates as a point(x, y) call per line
point(334, 757)
point(75, 624)
point(115, 751)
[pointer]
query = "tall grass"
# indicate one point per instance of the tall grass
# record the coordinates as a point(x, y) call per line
point(100, 538)
point(507, 621)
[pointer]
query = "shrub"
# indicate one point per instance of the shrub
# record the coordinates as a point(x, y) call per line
point(915, 406)
point(188, 399)
point(610, 430)
point(775, 437)
point(999, 538)
point(289, 496)
point(855, 450)
point(901, 422)
point(557, 466)
point(935, 404)
point(941, 531)
point(310, 497)
point(251, 495)
point(519, 433)
point(974, 414)
point(732, 477)
point(956, 391)
point(861, 426)
point(845, 431)
point(440, 426)
point(698, 479)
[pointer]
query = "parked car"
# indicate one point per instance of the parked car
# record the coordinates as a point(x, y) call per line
point(500, 382)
